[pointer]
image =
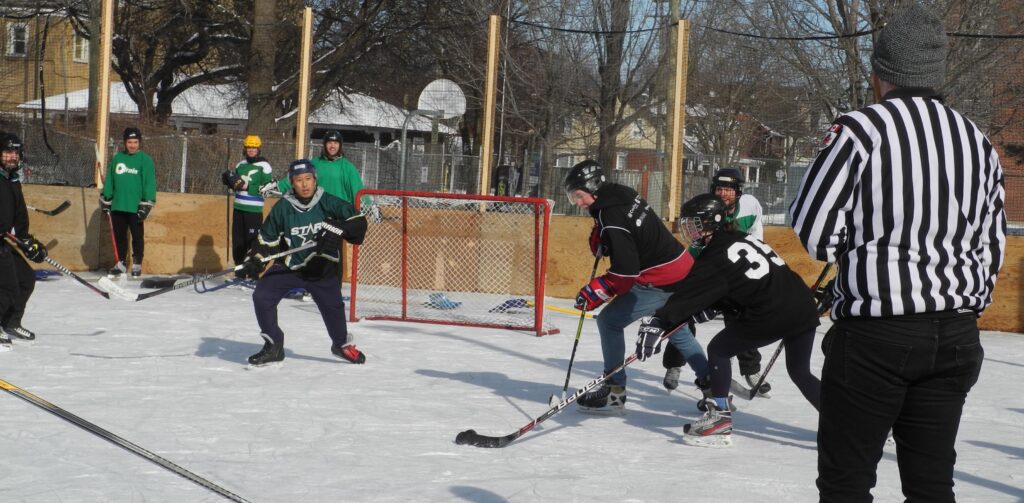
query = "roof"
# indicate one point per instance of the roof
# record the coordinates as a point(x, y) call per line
point(220, 103)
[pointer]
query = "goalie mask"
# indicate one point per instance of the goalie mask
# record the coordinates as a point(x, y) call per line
point(587, 176)
point(700, 218)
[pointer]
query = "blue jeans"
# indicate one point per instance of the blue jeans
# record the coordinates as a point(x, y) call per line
point(910, 373)
point(625, 309)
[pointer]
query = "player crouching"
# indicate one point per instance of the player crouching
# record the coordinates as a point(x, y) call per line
point(306, 213)
point(762, 299)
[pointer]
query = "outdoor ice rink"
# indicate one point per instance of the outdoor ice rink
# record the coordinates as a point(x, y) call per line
point(169, 374)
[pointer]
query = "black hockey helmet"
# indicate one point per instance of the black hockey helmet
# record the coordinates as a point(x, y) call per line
point(10, 141)
point(728, 177)
point(701, 217)
point(332, 135)
point(132, 133)
point(587, 176)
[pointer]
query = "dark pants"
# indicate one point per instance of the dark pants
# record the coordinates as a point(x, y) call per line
point(123, 222)
point(245, 228)
point(909, 373)
point(736, 338)
point(326, 292)
point(19, 281)
point(750, 361)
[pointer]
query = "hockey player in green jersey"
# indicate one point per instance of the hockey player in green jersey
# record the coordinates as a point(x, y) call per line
point(336, 174)
point(306, 213)
point(129, 193)
point(245, 181)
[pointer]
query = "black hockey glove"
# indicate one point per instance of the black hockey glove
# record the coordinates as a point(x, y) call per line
point(144, 208)
point(705, 316)
point(105, 205)
point(648, 338)
point(253, 265)
point(32, 248)
point(328, 238)
point(232, 180)
point(355, 228)
point(824, 297)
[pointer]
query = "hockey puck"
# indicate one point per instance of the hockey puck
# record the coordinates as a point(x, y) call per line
point(465, 437)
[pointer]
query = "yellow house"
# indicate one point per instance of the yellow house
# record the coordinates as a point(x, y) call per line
point(34, 32)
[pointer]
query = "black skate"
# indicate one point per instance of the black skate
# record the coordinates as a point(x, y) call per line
point(609, 399)
point(271, 353)
point(20, 332)
point(117, 270)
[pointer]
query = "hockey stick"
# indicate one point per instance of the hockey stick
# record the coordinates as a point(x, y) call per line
point(121, 293)
point(113, 239)
point(778, 350)
point(61, 207)
point(64, 270)
point(579, 329)
point(471, 437)
point(110, 437)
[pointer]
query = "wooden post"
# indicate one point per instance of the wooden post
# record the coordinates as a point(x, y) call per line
point(302, 117)
point(103, 89)
point(490, 92)
point(678, 119)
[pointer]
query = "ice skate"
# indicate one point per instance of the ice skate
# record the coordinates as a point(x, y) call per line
point(609, 399)
point(270, 354)
point(349, 353)
point(671, 380)
point(19, 332)
point(136, 270)
point(117, 270)
point(713, 429)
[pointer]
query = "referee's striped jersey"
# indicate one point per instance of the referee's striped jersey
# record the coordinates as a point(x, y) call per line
point(906, 196)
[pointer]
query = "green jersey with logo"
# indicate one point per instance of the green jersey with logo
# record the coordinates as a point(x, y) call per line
point(292, 224)
point(131, 179)
point(256, 173)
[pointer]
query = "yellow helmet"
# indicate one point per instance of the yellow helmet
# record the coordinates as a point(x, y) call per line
point(252, 141)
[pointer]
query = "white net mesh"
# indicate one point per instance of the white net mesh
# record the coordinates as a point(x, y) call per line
point(453, 259)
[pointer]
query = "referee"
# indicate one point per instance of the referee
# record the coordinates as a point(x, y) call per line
point(906, 196)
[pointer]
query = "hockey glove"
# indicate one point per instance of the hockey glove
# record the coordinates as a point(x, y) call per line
point(269, 189)
point(105, 205)
point(253, 265)
point(824, 297)
point(232, 180)
point(590, 297)
point(355, 228)
point(648, 338)
point(144, 208)
point(597, 248)
point(328, 238)
point(705, 316)
point(33, 249)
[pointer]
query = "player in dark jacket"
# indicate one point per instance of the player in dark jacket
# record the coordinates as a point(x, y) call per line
point(644, 258)
point(17, 279)
point(305, 213)
point(763, 301)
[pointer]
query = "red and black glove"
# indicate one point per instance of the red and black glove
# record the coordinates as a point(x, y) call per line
point(597, 248)
point(597, 292)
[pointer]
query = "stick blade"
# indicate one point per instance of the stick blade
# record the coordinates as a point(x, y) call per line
point(116, 291)
point(471, 437)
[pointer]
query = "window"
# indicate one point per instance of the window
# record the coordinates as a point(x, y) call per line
point(80, 49)
point(17, 39)
point(620, 161)
point(638, 129)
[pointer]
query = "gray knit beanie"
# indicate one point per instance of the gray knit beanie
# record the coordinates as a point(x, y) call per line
point(911, 49)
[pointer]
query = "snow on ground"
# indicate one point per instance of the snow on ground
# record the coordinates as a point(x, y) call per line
point(168, 374)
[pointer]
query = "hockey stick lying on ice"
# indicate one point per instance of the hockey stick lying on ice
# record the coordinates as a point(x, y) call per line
point(63, 270)
point(471, 437)
point(778, 350)
point(61, 207)
point(121, 293)
point(106, 435)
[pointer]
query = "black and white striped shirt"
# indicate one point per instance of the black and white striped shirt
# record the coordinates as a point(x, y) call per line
point(907, 197)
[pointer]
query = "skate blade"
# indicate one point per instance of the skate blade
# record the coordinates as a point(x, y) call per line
point(264, 366)
point(6, 347)
point(603, 411)
point(710, 441)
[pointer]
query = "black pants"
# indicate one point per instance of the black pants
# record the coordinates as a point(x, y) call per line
point(245, 228)
point(750, 361)
point(737, 338)
point(123, 222)
point(326, 293)
point(17, 281)
point(909, 373)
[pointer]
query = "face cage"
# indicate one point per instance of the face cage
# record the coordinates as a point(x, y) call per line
point(692, 231)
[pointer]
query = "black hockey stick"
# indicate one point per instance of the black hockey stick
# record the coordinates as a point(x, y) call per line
point(134, 297)
point(579, 329)
point(778, 350)
point(64, 270)
point(106, 435)
point(471, 437)
point(56, 211)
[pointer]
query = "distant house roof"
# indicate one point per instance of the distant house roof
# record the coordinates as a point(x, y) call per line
point(221, 104)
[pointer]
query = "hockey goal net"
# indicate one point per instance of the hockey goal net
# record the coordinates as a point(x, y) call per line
point(453, 259)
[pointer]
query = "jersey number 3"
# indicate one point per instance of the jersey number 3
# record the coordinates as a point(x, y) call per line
point(755, 253)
